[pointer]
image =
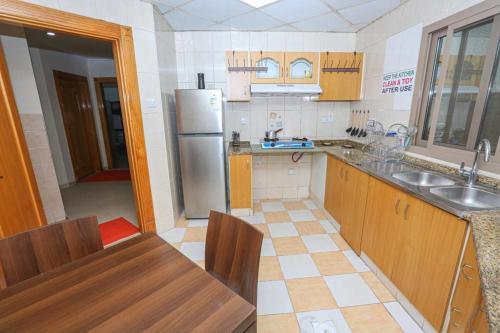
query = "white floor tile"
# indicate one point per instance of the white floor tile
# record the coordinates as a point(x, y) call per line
point(328, 227)
point(310, 322)
point(272, 298)
point(198, 223)
point(350, 290)
point(301, 215)
point(298, 266)
point(310, 204)
point(267, 248)
point(272, 206)
point(282, 230)
point(356, 261)
point(402, 317)
point(319, 243)
point(193, 250)
point(174, 235)
point(257, 218)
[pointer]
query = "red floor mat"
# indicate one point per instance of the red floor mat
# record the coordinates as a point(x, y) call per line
point(116, 229)
point(108, 176)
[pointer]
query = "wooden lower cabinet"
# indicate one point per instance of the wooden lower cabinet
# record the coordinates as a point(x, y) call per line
point(467, 308)
point(416, 245)
point(240, 181)
point(345, 199)
point(353, 202)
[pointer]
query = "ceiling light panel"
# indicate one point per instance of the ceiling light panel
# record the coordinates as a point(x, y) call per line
point(258, 3)
point(295, 10)
point(216, 10)
point(368, 12)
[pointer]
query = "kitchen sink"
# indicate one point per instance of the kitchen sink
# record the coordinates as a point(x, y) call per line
point(468, 196)
point(423, 178)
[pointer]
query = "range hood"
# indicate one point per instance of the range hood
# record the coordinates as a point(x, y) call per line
point(285, 89)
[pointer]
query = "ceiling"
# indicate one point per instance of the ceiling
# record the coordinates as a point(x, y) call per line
point(89, 48)
point(281, 15)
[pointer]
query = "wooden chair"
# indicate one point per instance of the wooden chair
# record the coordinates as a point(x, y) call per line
point(232, 254)
point(36, 251)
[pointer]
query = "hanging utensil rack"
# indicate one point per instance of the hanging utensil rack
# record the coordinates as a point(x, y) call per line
point(232, 66)
point(346, 67)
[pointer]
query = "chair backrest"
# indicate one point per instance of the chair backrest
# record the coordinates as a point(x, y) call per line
point(36, 251)
point(232, 254)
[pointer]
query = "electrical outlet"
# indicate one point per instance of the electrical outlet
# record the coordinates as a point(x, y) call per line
point(291, 171)
point(243, 121)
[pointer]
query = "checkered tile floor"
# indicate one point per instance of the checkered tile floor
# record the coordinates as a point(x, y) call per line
point(309, 278)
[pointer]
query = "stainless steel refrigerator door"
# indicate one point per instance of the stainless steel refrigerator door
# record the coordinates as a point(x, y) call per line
point(199, 111)
point(203, 174)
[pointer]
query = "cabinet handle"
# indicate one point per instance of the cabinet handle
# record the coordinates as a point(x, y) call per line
point(397, 206)
point(345, 174)
point(465, 275)
point(456, 309)
point(406, 212)
point(341, 175)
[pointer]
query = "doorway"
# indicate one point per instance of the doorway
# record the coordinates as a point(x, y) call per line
point(27, 15)
point(110, 113)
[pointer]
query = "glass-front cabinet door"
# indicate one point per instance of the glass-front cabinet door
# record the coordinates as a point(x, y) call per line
point(301, 67)
point(274, 62)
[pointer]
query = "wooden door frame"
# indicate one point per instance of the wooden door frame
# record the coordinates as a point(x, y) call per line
point(35, 16)
point(96, 158)
point(98, 81)
point(9, 106)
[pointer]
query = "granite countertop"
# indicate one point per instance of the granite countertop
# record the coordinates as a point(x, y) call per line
point(486, 232)
point(485, 224)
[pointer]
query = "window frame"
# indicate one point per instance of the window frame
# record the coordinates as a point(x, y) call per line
point(431, 33)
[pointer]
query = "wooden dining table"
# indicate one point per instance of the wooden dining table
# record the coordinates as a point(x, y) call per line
point(143, 284)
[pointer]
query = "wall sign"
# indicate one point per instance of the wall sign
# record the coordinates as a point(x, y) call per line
point(398, 82)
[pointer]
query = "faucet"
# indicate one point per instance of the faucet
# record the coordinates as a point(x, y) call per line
point(471, 175)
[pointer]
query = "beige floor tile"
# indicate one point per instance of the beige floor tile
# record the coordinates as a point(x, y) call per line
point(263, 228)
point(332, 263)
point(176, 245)
point(257, 207)
point(318, 214)
point(377, 287)
point(289, 245)
point(309, 228)
point(197, 234)
point(341, 243)
point(181, 222)
point(269, 269)
point(279, 323)
point(310, 294)
point(276, 217)
point(370, 318)
point(294, 205)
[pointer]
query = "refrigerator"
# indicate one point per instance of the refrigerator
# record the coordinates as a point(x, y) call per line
point(201, 151)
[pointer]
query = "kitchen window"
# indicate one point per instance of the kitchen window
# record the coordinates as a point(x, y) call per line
point(457, 94)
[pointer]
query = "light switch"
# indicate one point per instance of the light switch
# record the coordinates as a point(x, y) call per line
point(243, 121)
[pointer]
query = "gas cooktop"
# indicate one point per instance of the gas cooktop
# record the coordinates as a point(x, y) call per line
point(288, 144)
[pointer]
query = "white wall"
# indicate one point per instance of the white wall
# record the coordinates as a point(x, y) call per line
point(372, 41)
point(139, 16)
point(30, 111)
point(205, 52)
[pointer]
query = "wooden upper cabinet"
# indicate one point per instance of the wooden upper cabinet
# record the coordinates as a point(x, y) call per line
point(340, 86)
point(301, 67)
point(240, 181)
point(275, 63)
point(238, 83)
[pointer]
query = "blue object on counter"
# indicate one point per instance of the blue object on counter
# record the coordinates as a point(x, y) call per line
point(391, 134)
point(288, 145)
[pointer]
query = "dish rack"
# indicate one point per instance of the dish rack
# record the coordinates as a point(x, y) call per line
point(389, 145)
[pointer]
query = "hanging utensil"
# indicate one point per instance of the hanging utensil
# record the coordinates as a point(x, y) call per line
point(356, 121)
point(362, 126)
point(366, 122)
point(355, 116)
point(351, 119)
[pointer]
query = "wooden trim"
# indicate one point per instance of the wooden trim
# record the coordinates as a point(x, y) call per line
point(34, 16)
point(89, 128)
point(9, 106)
point(98, 81)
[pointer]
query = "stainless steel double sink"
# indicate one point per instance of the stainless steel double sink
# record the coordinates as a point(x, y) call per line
point(445, 188)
